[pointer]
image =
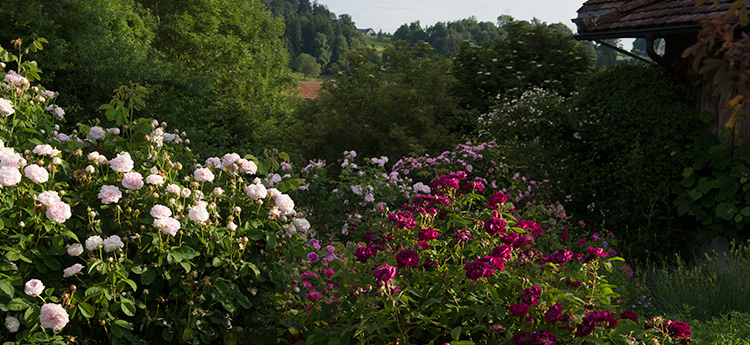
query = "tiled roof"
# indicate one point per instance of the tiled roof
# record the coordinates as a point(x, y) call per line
point(598, 16)
point(309, 89)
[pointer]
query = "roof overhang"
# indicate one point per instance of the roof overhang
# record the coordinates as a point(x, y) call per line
point(658, 32)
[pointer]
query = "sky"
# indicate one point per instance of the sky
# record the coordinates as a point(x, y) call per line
point(389, 15)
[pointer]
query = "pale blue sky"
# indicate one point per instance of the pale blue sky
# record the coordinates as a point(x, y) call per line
point(388, 15)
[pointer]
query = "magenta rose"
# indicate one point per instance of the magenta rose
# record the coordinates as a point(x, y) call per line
point(494, 226)
point(428, 234)
point(627, 314)
point(385, 273)
point(531, 295)
point(407, 258)
point(502, 252)
point(679, 329)
point(519, 309)
point(364, 253)
point(314, 296)
point(553, 313)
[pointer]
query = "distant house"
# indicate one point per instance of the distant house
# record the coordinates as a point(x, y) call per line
point(367, 32)
point(676, 21)
point(309, 89)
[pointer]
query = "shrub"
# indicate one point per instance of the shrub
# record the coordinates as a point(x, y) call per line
point(116, 236)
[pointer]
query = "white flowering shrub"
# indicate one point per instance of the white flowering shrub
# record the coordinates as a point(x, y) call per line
point(117, 234)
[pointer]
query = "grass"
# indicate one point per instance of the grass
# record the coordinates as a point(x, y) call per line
point(732, 328)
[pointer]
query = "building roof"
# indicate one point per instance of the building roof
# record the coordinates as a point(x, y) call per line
point(636, 18)
point(309, 89)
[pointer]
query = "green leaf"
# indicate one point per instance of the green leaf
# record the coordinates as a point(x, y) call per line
point(132, 284)
point(706, 116)
point(127, 307)
point(186, 266)
point(93, 292)
point(6, 287)
point(414, 291)
point(726, 210)
point(148, 276)
point(86, 309)
point(17, 304)
point(456, 332)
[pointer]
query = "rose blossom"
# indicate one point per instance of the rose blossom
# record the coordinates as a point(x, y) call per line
point(173, 188)
point(155, 179)
point(112, 243)
point(248, 167)
point(9, 176)
point(285, 204)
point(48, 197)
point(519, 309)
point(314, 296)
point(36, 173)
point(407, 258)
point(93, 243)
point(12, 324)
point(43, 150)
point(203, 175)
point(313, 257)
point(122, 163)
point(33, 287)
point(679, 329)
point(6, 108)
point(213, 162)
point(72, 270)
point(160, 211)
point(132, 180)
point(385, 273)
point(229, 159)
point(53, 316)
point(198, 213)
point(12, 160)
point(109, 194)
point(113, 131)
point(256, 191)
point(167, 225)
point(231, 226)
point(59, 212)
point(97, 133)
point(494, 226)
point(75, 249)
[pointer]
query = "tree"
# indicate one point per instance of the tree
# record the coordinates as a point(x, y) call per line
point(529, 55)
point(322, 49)
point(307, 65)
point(390, 108)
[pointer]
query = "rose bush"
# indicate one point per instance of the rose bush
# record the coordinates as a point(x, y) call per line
point(93, 252)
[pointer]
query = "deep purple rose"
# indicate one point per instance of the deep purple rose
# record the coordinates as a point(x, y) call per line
point(428, 234)
point(679, 329)
point(502, 251)
point(497, 199)
point(531, 295)
point(560, 257)
point(519, 309)
point(553, 313)
point(403, 219)
point(478, 269)
point(494, 226)
point(385, 273)
point(364, 253)
point(627, 314)
point(462, 236)
point(407, 258)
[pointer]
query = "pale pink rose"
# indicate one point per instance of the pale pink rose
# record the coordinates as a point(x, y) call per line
point(59, 212)
point(369, 197)
point(155, 180)
point(154, 171)
point(9, 176)
point(168, 225)
point(213, 162)
point(63, 138)
point(89, 169)
point(93, 156)
point(198, 213)
point(301, 224)
point(75, 249)
point(229, 159)
point(122, 163)
point(132, 180)
point(6, 107)
point(285, 204)
point(53, 316)
point(248, 167)
point(173, 188)
point(217, 191)
point(231, 226)
point(185, 192)
point(160, 211)
point(256, 191)
point(113, 131)
point(33, 287)
point(43, 150)
point(12, 324)
point(93, 243)
point(203, 175)
point(72, 270)
point(109, 194)
point(97, 133)
point(55, 110)
point(12, 160)
point(36, 173)
point(112, 243)
point(48, 197)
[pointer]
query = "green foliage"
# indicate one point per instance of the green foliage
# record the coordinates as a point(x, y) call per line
point(306, 64)
point(611, 151)
point(530, 55)
point(715, 189)
point(373, 105)
point(732, 328)
point(447, 37)
point(312, 29)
